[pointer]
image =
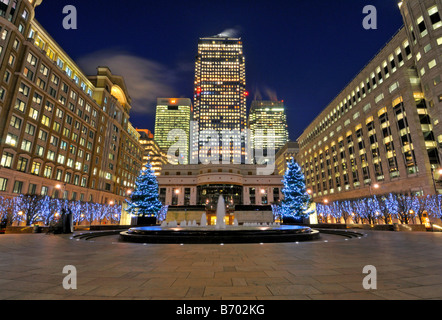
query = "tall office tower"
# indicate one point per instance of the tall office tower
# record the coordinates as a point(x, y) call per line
point(172, 128)
point(268, 127)
point(220, 102)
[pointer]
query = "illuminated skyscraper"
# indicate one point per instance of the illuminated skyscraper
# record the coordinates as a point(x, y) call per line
point(268, 118)
point(173, 115)
point(152, 152)
point(220, 101)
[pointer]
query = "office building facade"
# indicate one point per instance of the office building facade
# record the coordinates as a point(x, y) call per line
point(220, 102)
point(59, 127)
point(268, 129)
point(382, 133)
point(172, 128)
point(197, 185)
point(286, 154)
point(152, 152)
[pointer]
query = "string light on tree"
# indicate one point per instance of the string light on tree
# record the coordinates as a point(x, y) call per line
point(144, 200)
point(297, 199)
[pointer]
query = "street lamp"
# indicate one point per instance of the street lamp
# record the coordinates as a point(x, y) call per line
point(20, 214)
point(62, 188)
point(326, 216)
point(111, 203)
point(375, 186)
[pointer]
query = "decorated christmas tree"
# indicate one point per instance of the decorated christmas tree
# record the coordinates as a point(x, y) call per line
point(296, 201)
point(144, 202)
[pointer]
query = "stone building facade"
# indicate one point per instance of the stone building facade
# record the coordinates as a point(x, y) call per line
point(200, 184)
point(63, 133)
point(382, 133)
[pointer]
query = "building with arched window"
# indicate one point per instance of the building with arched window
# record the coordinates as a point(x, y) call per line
point(201, 184)
point(189, 190)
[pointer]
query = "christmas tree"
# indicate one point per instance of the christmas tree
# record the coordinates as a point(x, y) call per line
point(144, 201)
point(296, 198)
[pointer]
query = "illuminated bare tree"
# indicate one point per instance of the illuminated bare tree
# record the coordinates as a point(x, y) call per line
point(423, 204)
point(346, 210)
point(407, 206)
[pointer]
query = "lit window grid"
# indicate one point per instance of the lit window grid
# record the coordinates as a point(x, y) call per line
point(262, 120)
point(220, 78)
point(168, 120)
point(73, 135)
point(341, 168)
point(361, 91)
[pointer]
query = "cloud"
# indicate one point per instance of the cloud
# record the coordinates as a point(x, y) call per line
point(146, 80)
point(185, 67)
point(231, 32)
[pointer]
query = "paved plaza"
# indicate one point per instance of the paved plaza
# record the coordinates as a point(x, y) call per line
point(408, 267)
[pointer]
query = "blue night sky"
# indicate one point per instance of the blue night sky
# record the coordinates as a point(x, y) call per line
point(301, 51)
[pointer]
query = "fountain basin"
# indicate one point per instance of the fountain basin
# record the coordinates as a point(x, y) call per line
point(212, 235)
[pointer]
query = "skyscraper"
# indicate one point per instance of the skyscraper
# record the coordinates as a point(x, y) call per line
point(172, 128)
point(152, 152)
point(220, 101)
point(268, 127)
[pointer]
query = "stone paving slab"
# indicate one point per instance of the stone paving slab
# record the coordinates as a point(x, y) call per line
point(408, 268)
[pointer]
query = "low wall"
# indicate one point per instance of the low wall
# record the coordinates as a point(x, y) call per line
point(377, 227)
point(101, 227)
point(254, 216)
point(409, 227)
point(27, 230)
point(241, 216)
point(179, 216)
point(22, 229)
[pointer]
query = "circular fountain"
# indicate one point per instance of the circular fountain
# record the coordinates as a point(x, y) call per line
point(190, 232)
